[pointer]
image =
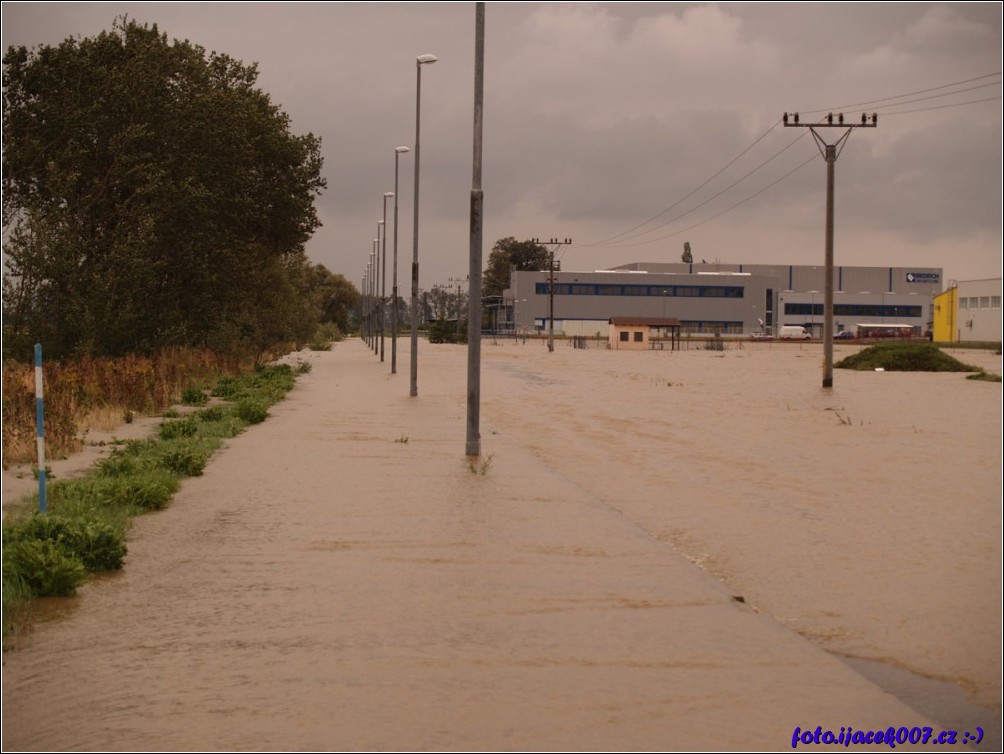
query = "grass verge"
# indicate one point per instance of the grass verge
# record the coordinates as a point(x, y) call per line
point(84, 528)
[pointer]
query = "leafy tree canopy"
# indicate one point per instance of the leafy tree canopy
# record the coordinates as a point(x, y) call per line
point(335, 297)
point(509, 254)
point(152, 196)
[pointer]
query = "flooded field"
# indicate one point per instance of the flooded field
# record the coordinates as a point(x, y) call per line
point(866, 517)
point(657, 550)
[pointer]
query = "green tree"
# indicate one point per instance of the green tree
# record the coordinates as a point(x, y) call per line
point(335, 297)
point(687, 257)
point(151, 195)
point(509, 254)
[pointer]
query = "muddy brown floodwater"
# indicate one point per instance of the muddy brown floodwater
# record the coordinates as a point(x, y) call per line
point(656, 550)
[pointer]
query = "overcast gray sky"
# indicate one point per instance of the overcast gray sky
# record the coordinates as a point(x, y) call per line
point(601, 116)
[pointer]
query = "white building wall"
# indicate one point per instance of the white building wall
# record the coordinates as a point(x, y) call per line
point(979, 303)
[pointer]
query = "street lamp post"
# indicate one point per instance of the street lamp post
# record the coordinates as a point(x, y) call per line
point(383, 279)
point(393, 316)
point(362, 307)
point(375, 288)
point(419, 61)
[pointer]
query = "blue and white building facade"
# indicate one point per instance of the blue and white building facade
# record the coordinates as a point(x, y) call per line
point(729, 299)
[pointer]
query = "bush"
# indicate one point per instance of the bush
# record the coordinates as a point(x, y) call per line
point(324, 336)
point(226, 387)
point(189, 456)
point(150, 491)
point(211, 414)
point(184, 460)
point(98, 546)
point(186, 427)
point(251, 411)
point(44, 567)
point(191, 396)
point(131, 458)
point(147, 489)
point(442, 331)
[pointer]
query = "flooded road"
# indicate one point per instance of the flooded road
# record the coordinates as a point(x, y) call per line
point(341, 578)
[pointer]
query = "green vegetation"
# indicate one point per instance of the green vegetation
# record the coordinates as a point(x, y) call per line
point(324, 336)
point(985, 377)
point(84, 528)
point(77, 390)
point(192, 396)
point(442, 331)
point(507, 255)
point(154, 197)
point(904, 357)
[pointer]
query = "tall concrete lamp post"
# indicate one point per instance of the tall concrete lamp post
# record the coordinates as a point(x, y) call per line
point(375, 288)
point(419, 61)
point(383, 272)
point(393, 315)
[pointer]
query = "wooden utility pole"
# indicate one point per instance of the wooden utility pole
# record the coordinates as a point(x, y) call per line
point(830, 153)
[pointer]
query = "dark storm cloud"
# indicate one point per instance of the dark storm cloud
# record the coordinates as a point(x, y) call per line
point(600, 116)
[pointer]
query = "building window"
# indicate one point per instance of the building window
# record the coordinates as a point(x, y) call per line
point(984, 302)
point(963, 302)
point(624, 336)
point(995, 302)
point(638, 337)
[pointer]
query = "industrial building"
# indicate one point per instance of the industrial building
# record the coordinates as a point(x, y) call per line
point(969, 312)
point(725, 299)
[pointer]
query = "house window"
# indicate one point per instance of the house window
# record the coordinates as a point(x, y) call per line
point(638, 337)
point(624, 336)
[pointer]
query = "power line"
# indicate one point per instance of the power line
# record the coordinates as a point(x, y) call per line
point(769, 186)
point(711, 198)
point(909, 94)
point(620, 237)
point(942, 107)
point(690, 194)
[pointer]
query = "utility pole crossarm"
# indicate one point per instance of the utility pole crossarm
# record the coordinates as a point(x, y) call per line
point(791, 120)
point(551, 283)
point(830, 153)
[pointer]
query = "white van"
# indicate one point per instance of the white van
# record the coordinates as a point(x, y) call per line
point(793, 332)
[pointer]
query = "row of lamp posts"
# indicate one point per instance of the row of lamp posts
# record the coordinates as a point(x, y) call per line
point(375, 276)
point(372, 275)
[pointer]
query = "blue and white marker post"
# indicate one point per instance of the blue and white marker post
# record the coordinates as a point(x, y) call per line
point(40, 427)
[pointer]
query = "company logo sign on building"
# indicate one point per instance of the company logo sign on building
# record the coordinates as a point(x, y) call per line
point(923, 277)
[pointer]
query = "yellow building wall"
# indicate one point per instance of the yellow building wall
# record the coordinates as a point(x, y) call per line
point(946, 316)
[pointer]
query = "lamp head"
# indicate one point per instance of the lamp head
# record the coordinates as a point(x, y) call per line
point(402, 150)
point(388, 194)
point(427, 58)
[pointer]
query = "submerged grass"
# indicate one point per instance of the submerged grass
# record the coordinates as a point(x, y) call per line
point(84, 528)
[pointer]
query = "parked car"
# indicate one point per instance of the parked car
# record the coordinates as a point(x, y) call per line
point(844, 335)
